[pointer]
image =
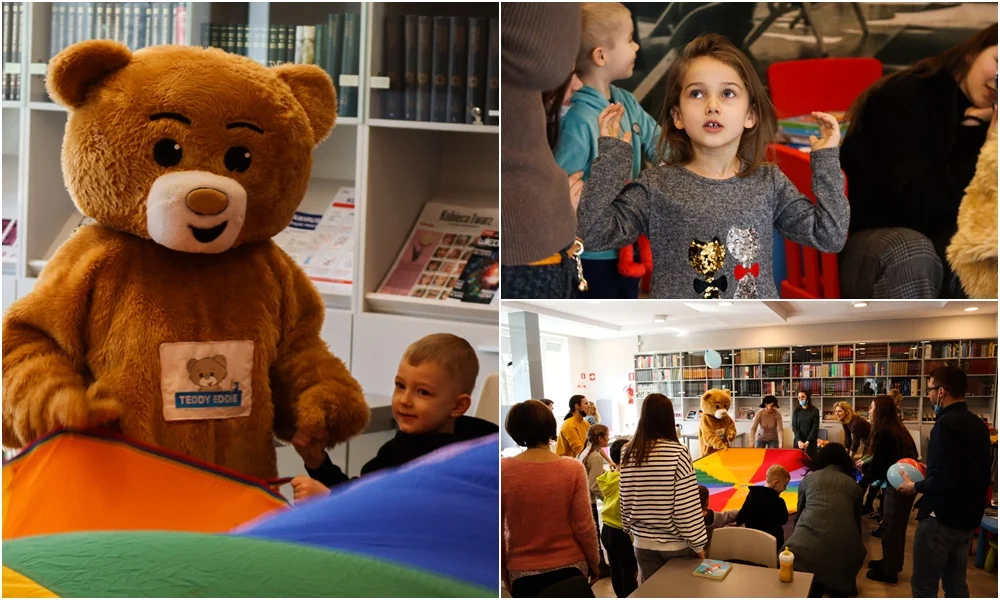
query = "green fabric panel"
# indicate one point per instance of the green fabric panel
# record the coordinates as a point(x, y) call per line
point(175, 564)
point(706, 479)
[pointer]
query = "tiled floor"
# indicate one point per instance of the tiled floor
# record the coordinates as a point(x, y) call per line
point(981, 583)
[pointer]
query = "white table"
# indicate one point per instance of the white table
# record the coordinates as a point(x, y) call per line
point(675, 580)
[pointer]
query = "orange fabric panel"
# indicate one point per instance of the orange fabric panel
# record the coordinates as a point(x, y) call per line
point(75, 482)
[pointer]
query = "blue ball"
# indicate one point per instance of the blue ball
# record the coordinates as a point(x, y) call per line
point(895, 474)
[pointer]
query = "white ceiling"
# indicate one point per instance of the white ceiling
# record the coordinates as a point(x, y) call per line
point(608, 319)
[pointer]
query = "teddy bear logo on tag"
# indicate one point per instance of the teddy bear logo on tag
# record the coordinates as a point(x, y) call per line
point(208, 374)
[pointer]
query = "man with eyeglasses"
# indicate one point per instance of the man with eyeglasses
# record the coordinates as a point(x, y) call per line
point(954, 491)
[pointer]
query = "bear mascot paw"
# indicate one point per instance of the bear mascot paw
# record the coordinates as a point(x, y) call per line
point(175, 315)
point(717, 430)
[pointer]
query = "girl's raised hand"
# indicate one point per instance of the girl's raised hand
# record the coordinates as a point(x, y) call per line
point(829, 131)
point(609, 123)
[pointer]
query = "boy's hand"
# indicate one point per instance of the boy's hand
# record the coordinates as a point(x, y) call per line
point(311, 450)
point(304, 488)
point(575, 189)
point(609, 123)
point(906, 488)
point(829, 131)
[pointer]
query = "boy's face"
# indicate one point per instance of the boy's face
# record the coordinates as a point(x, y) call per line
point(426, 399)
point(619, 53)
point(714, 106)
point(779, 484)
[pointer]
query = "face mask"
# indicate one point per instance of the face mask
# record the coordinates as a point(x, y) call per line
point(803, 403)
point(937, 410)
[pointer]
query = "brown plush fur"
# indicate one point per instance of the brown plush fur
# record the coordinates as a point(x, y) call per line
point(83, 347)
point(715, 434)
point(973, 250)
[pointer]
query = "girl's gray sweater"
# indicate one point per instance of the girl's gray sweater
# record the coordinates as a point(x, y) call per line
point(710, 238)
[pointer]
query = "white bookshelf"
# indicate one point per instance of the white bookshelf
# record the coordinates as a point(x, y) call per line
point(834, 378)
point(395, 167)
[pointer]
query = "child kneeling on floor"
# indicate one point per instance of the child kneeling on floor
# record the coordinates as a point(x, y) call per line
point(434, 383)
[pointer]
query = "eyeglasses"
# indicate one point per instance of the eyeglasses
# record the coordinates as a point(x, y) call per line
point(931, 388)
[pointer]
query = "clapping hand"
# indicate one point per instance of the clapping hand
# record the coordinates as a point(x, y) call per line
point(829, 131)
point(610, 123)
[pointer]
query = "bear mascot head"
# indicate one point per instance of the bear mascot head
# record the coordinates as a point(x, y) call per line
point(174, 315)
point(717, 430)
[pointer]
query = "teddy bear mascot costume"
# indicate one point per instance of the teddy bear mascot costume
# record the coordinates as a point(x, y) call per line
point(175, 316)
point(717, 430)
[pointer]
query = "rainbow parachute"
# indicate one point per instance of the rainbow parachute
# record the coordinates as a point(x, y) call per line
point(728, 473)
point(95, 515)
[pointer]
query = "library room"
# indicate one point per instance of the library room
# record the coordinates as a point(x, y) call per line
point(341, 225)
point(762, 401)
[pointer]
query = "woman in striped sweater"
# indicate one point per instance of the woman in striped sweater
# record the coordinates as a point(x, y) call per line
point(659, 493)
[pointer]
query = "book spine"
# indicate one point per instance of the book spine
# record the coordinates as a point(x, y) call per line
point(439, 69)
point(457, 65)
point(394, 64)
point(335, 48)
point(349, 64)
point(410, 74)
point(476, 71)
point(425, 35)
point(493, 74)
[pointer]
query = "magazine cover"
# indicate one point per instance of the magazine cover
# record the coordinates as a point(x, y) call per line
point(323, 244)
point(481, 277)
point(440, 244)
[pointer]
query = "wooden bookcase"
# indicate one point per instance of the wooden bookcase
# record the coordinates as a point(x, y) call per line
point(852, 372)
point(395, 167)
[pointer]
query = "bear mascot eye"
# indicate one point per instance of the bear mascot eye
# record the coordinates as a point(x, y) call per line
point(167, 152)
point(238, 159)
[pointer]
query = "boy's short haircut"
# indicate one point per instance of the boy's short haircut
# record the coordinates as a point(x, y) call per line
point(600, 22)
point(703, 496)
point(777, 472)
point(615, 453)
point(531, 424)
point(450, 352)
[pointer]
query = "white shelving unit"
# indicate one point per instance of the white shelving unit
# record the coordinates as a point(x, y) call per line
point(395, 167)
point(832, 376)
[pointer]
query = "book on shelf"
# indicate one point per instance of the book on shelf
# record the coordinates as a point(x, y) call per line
point(13, 47)
point(322, 243)
point(713, 569)
point(135, 24)
point(437, 68)
point(10, 240)
point(439, 247)
point(480, 279)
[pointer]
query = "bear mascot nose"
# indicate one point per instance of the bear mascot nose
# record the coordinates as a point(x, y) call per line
point(207, 201)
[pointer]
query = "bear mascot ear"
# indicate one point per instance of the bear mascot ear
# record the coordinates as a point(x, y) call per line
point(314, 90)
point(77, 69)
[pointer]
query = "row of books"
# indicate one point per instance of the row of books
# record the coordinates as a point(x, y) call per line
point(866, 369)
point(904, 368)
point(907, 387)
point(334, 46)
point(707, 373)
point(442, 69)
point(654, 375)
point(776, 370)
point(776, 355)
point(658, 361)
point(873, 352)
point(747, 356)
point(13, 46)
point(135, 24)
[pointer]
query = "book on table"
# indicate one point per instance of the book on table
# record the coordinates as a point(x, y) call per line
point(713, 569)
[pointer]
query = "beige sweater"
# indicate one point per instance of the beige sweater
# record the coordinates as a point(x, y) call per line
point(540, 42)
point(766, 426)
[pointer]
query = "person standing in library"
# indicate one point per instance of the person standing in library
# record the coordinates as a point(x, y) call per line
point(766, 430)
point(889, 443)
point(907, 182)
point(954, 491)
point(857, 429)
point(805, 424)
point(573, 431)
point(540, 255)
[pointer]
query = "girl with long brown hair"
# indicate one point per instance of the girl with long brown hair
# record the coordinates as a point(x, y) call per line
point(598, 437)
point(889, 443)
point(660, 505)
point(909, 154)
point(709, 209)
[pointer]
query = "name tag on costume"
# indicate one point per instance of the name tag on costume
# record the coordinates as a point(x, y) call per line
point(206, 380)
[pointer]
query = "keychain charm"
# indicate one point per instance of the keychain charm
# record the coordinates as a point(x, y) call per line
point(577, 251)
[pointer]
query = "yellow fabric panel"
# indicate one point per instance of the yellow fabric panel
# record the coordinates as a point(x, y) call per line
point(16, 585)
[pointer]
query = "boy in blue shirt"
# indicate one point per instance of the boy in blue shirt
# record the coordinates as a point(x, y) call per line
point(607, 53)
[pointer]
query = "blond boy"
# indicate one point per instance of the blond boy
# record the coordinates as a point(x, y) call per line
point(764, 509)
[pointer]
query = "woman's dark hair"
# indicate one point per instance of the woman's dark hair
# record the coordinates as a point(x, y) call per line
point(885, 422)
point(675, 145)
point(809, 399)
point(531, 424)
point(768, 400)
point(655, 423)
point(833, 454)
point(574, 404)
point(552, 101)
point(547, 402)
point(954, 60)
point(615, 452)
